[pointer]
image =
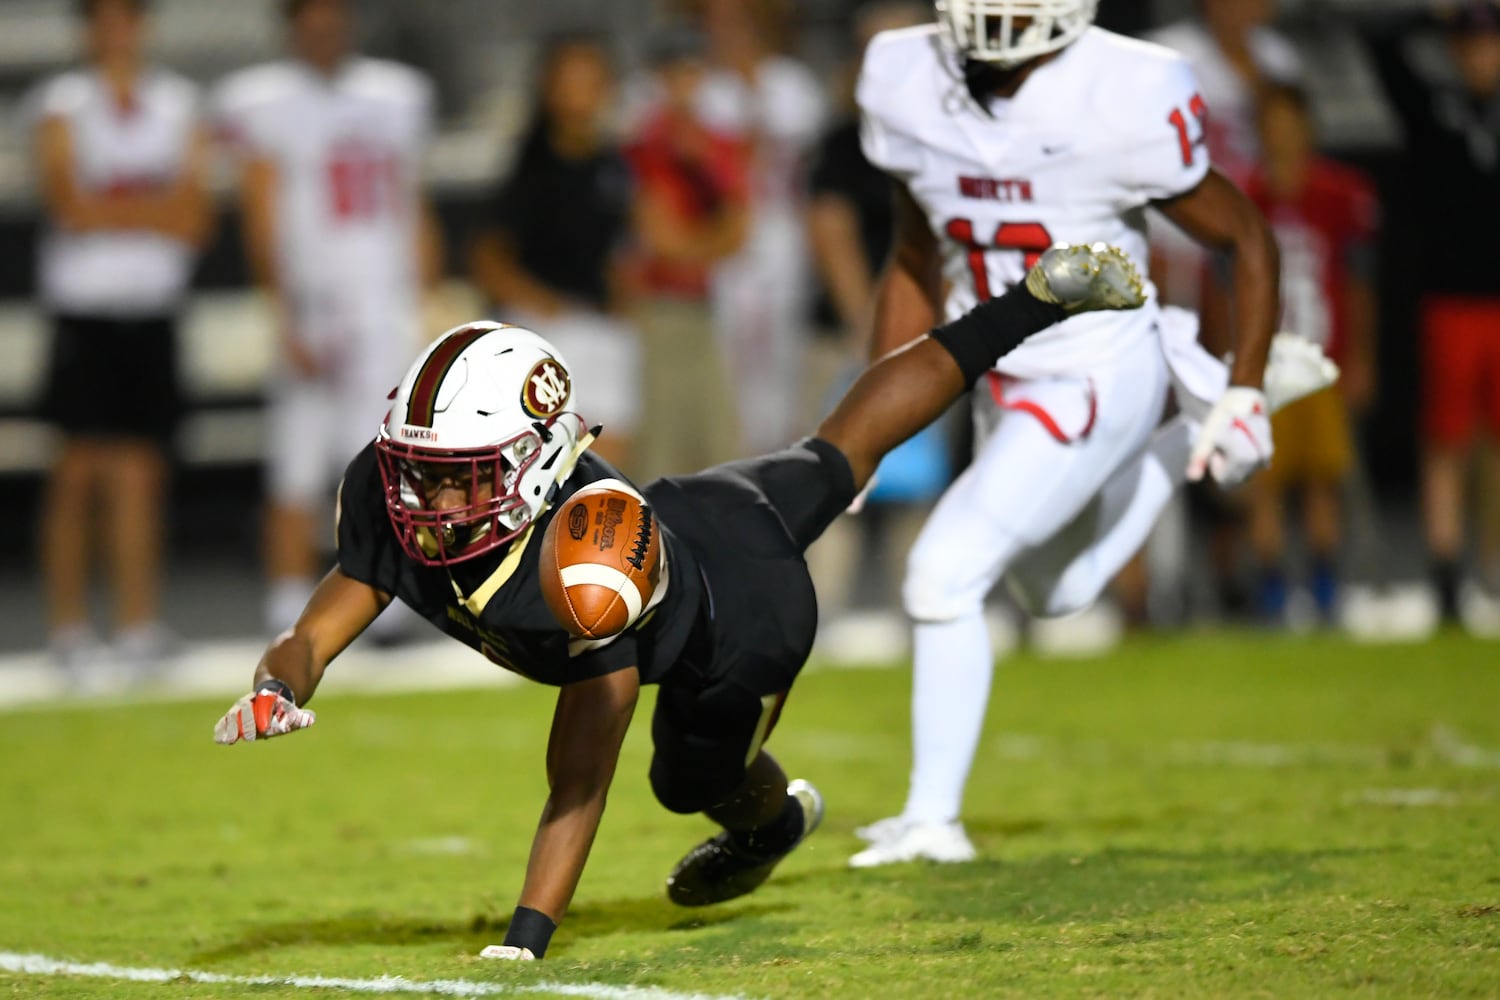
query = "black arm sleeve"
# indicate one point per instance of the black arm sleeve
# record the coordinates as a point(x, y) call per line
point(993, 329)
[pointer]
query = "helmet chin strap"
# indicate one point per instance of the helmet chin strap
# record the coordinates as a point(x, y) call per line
point(569, 464)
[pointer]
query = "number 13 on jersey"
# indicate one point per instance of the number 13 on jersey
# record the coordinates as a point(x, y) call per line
point(1029, 238)
point(1190, 143)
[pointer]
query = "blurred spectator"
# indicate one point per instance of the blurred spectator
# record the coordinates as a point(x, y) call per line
point(1452, 126)
point(850, 223)
point(337, 232)
point(851, 211)
point(691, 212)
point(762, 295)
point(121, 159)
point(550, 258)
point(1326, 219)
point(1234, 52)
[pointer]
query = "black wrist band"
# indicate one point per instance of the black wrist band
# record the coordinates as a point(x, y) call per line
point(278, 686)
point(530, 929)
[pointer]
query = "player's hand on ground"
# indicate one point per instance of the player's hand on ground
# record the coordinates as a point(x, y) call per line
point(508, 953)
point(265, 712)
point(1235, 440)
point(1087, 278)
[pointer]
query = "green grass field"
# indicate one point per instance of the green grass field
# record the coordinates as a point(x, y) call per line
point(1233, 815)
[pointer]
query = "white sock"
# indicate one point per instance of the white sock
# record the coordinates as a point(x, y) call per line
point(951, 675)
point(285, 599)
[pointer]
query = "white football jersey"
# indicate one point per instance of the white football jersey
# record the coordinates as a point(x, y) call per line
point(347, 150)
point(139, 148)
point(1108, 126)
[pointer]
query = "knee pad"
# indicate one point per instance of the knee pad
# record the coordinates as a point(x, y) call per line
point(935, 590)
point(950, 578)
point(682, 793)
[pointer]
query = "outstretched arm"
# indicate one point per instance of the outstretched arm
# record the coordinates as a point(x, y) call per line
point(907, 390)
point(339, 610)
point(588, 728)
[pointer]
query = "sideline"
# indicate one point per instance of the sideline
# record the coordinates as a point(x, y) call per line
point(222, 668)
point(41, 965)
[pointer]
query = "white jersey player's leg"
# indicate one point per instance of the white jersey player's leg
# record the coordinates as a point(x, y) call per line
point(1069, 573)
point(1024, 487)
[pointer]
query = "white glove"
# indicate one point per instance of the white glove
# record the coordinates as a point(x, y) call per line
point(508, 952)
point(1235, 439)
point(265, 712)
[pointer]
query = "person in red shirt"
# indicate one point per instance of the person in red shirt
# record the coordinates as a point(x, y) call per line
point(1451, 117)
point(1325, 216)
point(691, 211)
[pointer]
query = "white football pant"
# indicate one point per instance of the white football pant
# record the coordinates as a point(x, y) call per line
point(1060, 496)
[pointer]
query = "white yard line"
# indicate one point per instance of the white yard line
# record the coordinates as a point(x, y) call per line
point(41, 965)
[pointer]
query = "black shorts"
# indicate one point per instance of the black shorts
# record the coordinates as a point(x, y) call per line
point(748, 524)
point(113, 378)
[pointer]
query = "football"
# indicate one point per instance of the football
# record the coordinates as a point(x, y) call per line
point(600, 560)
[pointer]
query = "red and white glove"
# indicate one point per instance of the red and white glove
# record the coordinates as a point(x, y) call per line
point(267, 711)
point(1235, 440)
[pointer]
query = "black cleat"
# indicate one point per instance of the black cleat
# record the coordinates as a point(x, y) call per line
point(717, 870)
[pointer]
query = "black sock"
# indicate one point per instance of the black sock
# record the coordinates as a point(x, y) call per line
point(1446, 575)
point(993, 329)
point(776, 836)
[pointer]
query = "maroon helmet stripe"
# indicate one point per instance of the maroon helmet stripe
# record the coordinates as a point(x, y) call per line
point(424, 392)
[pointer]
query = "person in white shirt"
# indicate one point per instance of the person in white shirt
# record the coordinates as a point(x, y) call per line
point(121, 160)
point(338, 232)
point(1012, 125)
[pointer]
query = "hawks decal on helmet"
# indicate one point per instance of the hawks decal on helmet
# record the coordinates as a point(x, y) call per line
point(547, 388)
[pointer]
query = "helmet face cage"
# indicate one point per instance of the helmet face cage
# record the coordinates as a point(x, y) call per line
point(1008, 33)
point(413, 476)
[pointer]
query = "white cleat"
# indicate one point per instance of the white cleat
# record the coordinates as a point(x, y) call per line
point(882, 829)
point(945, 843)
point(1296, 368)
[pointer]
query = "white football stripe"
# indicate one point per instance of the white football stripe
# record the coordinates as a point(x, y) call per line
point(619, 485)
point(605, 576)
point(41, 965)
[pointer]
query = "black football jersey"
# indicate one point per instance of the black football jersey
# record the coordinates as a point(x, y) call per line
point(494, 604)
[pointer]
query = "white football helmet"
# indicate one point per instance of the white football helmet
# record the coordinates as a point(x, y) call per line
point(1008, 33)
point(480, 432)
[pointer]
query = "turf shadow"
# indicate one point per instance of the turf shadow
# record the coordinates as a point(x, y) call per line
point(1110, 883)
point(587, 920)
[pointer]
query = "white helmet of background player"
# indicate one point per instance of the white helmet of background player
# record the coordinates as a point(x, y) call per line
point(480, 432)
point(1007, 33)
